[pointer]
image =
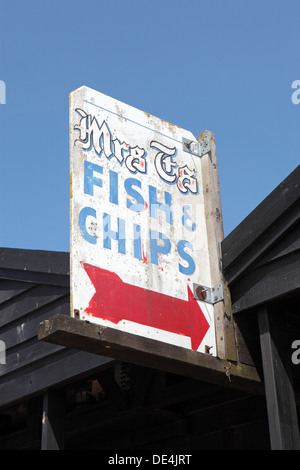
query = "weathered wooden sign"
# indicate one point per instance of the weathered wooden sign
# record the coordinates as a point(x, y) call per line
point(139, 239)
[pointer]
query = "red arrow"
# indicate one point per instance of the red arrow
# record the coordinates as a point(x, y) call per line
point(114, 300)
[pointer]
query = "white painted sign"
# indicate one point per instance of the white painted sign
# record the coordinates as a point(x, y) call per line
point(138, 229)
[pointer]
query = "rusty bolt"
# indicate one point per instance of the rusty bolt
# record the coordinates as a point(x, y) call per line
point(201, 292)
point(76, 313)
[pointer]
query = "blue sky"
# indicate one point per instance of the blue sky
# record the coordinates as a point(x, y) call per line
point(223, 65)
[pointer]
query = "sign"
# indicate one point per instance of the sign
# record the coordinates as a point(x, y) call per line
point(139, 241)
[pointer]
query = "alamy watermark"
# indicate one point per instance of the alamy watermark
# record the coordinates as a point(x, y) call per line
point(296, 354)
point(296, 94)
point(2, 92)
point(2, 352)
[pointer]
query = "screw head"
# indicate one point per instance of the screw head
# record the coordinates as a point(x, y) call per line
point(201, 292)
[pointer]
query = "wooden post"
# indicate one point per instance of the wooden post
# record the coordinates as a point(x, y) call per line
point(281, 406)
point(225, 336)
point(53, 421)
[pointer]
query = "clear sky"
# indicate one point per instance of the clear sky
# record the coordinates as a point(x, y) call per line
point(222, 65)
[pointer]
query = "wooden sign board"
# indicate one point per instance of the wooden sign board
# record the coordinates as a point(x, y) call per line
point(141, 236)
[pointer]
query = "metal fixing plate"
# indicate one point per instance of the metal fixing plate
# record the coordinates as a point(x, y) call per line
point(210, 295)
point(196, 148)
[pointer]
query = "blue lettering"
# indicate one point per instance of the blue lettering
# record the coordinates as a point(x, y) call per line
point(140, 203)
point(190, 269)
point(137, 241)
point(186, 217)
point(113, 187)
point(109, 234)
point(84, 213)
point(155, 205)
point(89, 179)
point(155, 248)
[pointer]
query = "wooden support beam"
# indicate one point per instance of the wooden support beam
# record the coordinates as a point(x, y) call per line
point(281, 406)
point(224, 325)
point(73, 333)
point(53, 421)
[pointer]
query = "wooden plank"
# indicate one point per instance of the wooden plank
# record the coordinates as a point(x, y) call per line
point(267, 282)
point(213, 215)
point(20, 334)
point(24, 357)
point(73, 333)
point(24, 304)
point(288, 244)
point(281, 405)
point(252, 254)
point(24, 328)
point(34, 277)
point(54, 262)
point(269, 211)
point(10, 289)
point(55, 370)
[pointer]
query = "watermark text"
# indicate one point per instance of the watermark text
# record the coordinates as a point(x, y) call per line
point(296, 354)
point(2, 92)
point(296, 94)
point(2, 352)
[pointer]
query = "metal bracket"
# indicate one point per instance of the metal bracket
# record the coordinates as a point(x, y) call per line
point(211, 295)
point(196, 148)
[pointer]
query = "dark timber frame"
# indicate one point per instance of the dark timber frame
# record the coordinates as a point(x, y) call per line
point(282, 411)
point(113, 392)
point(261, 262)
